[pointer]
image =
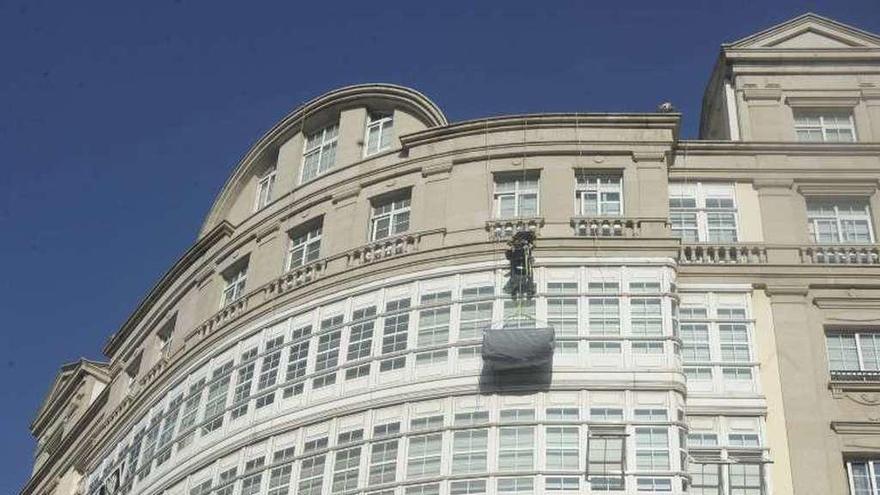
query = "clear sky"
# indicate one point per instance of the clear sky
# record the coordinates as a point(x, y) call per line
point(120, 121)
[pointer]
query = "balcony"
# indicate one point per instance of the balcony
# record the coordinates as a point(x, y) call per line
point(295, 277)
point(721, 254)
point(383, 248)
point(605, 227)
point(861, 376)
point(505, 227)
point(840, 254)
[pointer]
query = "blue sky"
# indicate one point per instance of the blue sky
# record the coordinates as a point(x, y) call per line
point(121, 120)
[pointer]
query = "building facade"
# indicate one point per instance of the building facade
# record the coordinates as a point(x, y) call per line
point(716, 302)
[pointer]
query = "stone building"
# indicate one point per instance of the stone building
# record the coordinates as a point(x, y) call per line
point(715, 302)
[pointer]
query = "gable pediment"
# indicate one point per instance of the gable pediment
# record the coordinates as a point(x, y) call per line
point(808, 32)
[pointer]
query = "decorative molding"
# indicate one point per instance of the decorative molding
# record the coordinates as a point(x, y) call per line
point(640, 156)
point(862, 393)
point(851, 301)
point(762, 94)
point(830, 188)
point(773, 183)
point(438, 169)
point(267, 230)
point(848, 101)
point(788, 290)
point(346, 195)
point(870, 427)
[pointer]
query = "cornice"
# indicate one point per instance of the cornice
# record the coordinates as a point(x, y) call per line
point(840, 187)
point(526, 123)
point(776, 148)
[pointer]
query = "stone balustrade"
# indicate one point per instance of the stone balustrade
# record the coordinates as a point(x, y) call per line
point(295, 277)
point(500, 228)
point(867, 376)
point(841, 254)
point(605, 227)
point(713, 254)
point(383, 249)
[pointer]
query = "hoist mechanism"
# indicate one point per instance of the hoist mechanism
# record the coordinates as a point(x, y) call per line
point(521, 284)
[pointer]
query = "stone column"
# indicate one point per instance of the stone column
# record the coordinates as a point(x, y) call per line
point(783, 230)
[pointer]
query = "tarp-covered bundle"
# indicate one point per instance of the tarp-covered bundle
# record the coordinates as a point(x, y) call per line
point(512, 348)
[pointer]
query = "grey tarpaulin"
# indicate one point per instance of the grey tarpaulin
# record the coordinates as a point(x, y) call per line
point(510, 348)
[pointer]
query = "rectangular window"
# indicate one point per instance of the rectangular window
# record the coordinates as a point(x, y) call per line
point(645, 415)
point(345, 470)
point(311, 475)
point(468, 487)
point(604, 347)
point(235, 280)
point(319, 154)
point(423, 456)
point(383, 463)
point(519, 314)
point(604, 315)
point(426, 423)
point(298, 357)
point(264, 189)
point(515, 485)
point(652, 449)
point(215, 404)
point(470, 451)
point(746, 479)
point(190, 413)
point(357, 372)
point(734, 342)
point(599, 194)
point(251, 484)
point(395, 330)
point(390, 216)
point(305, 245)
point(654, 485)
point(516, 195)
point(433, 325)
point(705, 479)
point(839, 221)
point(432, 358)
point(360, 339)
point(378, 135)
point(646, 317)
point(474, 318)
point(562, 447)
point(431, 489)
point(695, 342)
point(279, 479)
point(606, 457)
point(244, 382)
point(516, 448)
point(824, 125)
point(702, 440)
point(606, 414)
point(562, 414)
point(703, 212)
point(517, 415)
point(562, 315)
point(471, 418)
point(562, 484)
point(271, 363)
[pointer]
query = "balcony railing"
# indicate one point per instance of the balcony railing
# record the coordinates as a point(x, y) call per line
point(296, 277)
point(506, 227)
point(714, 254)
point(841, 254)
point(383, 248)
point(605, 227)
point(866, 376)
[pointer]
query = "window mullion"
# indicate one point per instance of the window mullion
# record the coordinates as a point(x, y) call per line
point(859, 351)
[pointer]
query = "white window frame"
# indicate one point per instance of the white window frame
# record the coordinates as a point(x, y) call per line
point(823, 126)
point(857, 337)
point(839, 218)
point(305, 245)
point(521, 188)
point(700, 193)
point(265, 187)
point(397, 215)
point(384, 122)
point(235, 283)
point(329, 136)
point(599, 185)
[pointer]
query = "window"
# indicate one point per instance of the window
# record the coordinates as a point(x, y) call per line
point(654, 484)
point(517, 415)
point(468, 487)
point(746, 479)
point(320, 152)
point(598, 194)
point(702, 440)
point(515, 485)
point(243, 383)
point(431, 358)
point(348, 437)
point(516, 195)
point(360, 340)
point(606, 414)
point(818, 125)
point(251, 484)
point(345, 470)
point(378, 136)
point(386, 429)
point(434, 322)
point(471, 418)
point(519, 314)
point(311, 475)
point(645, 317)
point(562, 312)
point(652, 449)
point(562, 484)
point(469, 451)
point(695, 342)
point(305, 245)
point(705, 479)
point(864, 477)
point(190, 413)
point(743, 440)
point(383, 463)
point(703, 212)
point(298, 358)
point(474, 318)
point(235, 279)
point(264, 189)
point(562, 414)
point(853, 351)
point(604, 315)
point(643, 415)
point(836, 221)
point(426, 423)
point(328, 346)
point(424, 455)
point(734, 342)
point(604, 347)
point(431, 489)
point(390, 216)
point(606, 457)
point(516, 448)
point(562, 447)
point(215, 404)
point(279, 479)
point(226, 481)
point(394, 334)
